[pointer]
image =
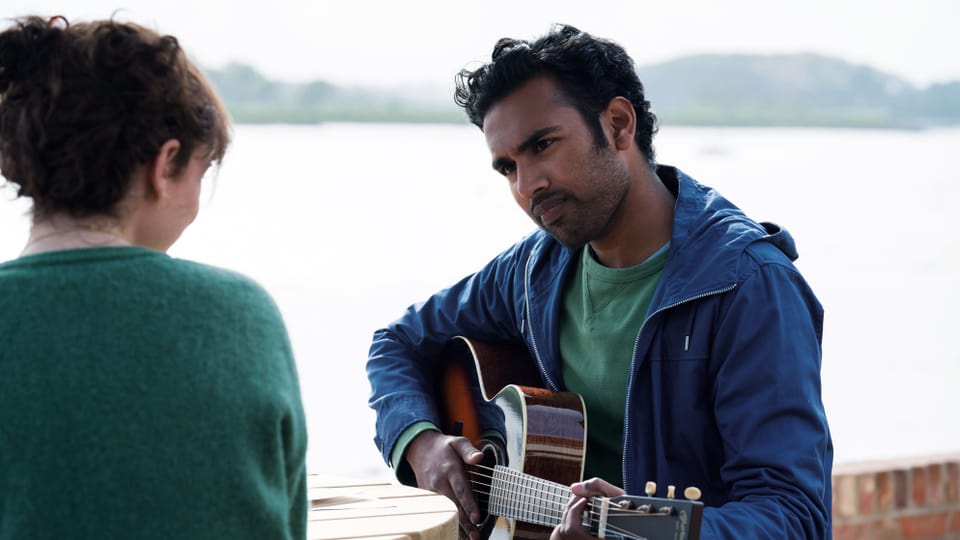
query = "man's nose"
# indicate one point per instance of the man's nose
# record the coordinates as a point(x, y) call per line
point(531, 180)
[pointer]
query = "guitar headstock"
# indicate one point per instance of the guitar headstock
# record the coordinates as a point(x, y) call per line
point(653, 518)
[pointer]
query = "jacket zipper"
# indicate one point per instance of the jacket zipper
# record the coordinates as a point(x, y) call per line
point(533, 338)
point(633, 361)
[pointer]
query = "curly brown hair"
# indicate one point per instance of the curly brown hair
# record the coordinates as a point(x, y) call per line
point(82, 105)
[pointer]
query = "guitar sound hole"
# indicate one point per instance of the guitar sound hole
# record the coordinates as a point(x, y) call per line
point(493, 455)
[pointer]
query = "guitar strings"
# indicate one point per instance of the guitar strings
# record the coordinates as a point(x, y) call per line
point(559, 500)
point(614, 511)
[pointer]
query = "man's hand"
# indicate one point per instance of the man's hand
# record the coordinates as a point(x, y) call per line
point(571, 524)
point(437, 461)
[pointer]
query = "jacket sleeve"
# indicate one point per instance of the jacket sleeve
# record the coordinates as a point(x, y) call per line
point(403, 355)
point(767, 402)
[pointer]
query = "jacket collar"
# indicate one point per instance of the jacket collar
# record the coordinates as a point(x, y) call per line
point(707, 243)
point(709, 237)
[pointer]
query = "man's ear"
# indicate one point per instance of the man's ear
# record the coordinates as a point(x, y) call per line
point(160, 172)
point(622, 119)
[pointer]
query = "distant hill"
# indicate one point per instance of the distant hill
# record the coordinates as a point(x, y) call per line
point(802, 89)
point(760, 90)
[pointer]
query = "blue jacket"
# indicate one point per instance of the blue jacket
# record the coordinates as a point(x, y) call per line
point(724, 388)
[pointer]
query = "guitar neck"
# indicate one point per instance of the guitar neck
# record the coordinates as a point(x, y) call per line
point(526, 498)
point(529, 499)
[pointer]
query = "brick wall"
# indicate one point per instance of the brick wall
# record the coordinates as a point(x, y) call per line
point(913, 499)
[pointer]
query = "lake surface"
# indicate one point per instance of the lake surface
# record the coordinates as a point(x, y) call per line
point(347, 224)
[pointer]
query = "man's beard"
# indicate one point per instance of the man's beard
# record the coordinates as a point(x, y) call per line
point(586, 220)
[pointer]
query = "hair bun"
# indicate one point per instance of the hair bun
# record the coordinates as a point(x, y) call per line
point(26, 48)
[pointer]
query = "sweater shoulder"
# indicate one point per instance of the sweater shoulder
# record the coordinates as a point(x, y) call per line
point(213, 283)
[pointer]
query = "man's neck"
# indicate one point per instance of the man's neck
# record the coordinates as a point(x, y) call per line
point(641, 226)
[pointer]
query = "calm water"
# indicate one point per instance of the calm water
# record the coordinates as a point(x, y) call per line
point(347, 224)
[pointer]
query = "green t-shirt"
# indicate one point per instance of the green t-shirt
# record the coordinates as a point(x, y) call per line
point(602, 312)
point(145, 397)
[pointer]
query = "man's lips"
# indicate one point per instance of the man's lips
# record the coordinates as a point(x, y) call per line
point(549, 209)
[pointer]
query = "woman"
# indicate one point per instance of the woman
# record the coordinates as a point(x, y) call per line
point(140, 395)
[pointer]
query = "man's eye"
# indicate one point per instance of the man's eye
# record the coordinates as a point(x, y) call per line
point(506, 169)
point(542, 144)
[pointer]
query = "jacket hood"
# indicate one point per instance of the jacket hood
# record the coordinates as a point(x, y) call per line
point(710, 235)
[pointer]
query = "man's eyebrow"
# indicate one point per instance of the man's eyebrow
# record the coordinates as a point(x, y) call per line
point(525, 145)
point(500, 162)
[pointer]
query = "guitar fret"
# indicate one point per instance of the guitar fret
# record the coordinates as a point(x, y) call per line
point(517, 495)
point(498, 494)
point(532, 507)
point(524, 500)
point(560, 495)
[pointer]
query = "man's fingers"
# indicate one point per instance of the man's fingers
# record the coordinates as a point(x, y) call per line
point(594, 487)
point(571, 525)
point(469, 515)
point(462, 487)
point(470, 531)
point(468, 452)
point(461, 496)
point(442, 464)
point(572, 518)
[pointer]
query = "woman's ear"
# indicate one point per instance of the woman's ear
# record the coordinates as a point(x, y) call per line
point(622, 119)
point(160, 172)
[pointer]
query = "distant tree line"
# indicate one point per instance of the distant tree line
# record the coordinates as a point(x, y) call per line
point(761, 90)
point(251, 97)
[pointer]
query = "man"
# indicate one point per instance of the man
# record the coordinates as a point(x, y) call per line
point(683, 324)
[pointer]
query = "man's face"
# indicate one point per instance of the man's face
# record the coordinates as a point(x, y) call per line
point(541, 144)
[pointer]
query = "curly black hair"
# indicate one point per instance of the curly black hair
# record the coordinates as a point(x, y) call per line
point(589, 70)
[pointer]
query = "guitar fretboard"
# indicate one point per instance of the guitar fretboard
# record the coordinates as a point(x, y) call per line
point(526, 498)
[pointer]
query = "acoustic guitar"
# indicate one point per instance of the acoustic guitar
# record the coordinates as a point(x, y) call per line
point(534, 443)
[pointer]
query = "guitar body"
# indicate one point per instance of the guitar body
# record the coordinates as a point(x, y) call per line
point(544, 432)
point(534, 441)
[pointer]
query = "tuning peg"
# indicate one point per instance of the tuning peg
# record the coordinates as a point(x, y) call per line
point(650, 489)
point(670, 491)
point(692, 493)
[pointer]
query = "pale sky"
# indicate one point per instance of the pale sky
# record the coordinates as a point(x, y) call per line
point(413, 42)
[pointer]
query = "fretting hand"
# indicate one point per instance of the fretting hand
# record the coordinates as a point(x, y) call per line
point(571, 524)
point(437, 461)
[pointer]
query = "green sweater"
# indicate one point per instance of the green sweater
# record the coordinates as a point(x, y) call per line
point(143, 396)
